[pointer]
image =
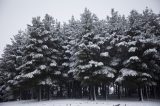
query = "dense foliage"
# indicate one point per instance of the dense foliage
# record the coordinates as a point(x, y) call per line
point(84, 58)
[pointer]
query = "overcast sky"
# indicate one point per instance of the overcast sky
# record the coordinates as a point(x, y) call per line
point(16, 14)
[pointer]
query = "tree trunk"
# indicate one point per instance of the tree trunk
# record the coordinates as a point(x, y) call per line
point(69, 90)
point(146, 89)
point(140, 94)
point(154, 90)
point(48, 92)
point(32, 93)
point(94, 92)
point(107, 92)
point(104, 91)
point(125, 92)
point(90, 92)
point(39, 93)
point(119, 92)
point(20, 94)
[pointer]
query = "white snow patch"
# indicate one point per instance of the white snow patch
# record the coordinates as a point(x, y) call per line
point(134, 58)
point(42, 67)
point(53, 64)
point(65, 64)
point(57, 73)
point(92, 62)
point(40, 41)
point(128, 72)
point(107, 71)
point(93, 46)
point(86, 77)
point(38, 55)
point(150, 51)
point(85, 66)
point(132, 49)
point(115, 61)
point(31, 74)
point(104, 54)
point(146, 75)
point(76, 102)
point(44, 47)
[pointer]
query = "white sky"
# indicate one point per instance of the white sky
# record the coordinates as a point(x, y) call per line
point(16, 14)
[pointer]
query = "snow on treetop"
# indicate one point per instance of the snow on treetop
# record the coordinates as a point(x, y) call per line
point(65, 75)
point(119, 79)
point(87, 35)
point(33, 40)
point(100, 42)
point(92, 62)
point(128, 72)
point(40, 41)
point(72, 70)
point(29, 62)
point(65, 64)
point(77, 53)
point(44, 47)
point(132, 43)
point(146, 75)
point(115, 61)
point(72, 42)
point(17, 77)
point(132, 49)
point(42, 67)
point(55, 51)
point(46, 38)
point(146, 40)
point(53, 64)
point(150, 51)
point(11, 81)
point(107, 71)
point(124, 43)
point(66, 47)
point(104, 54)
point(38, 55)
point(57, 72)
point(18, 57)
point(31, 74)
point(85, 66)
point(134, 58)
point(109, 47)
point(82, 45)
point(47, 81)
point(68, 51)
point(29, 46)
point(144, 65)
point(86, 77)
point(98, 36)
point(93, 46)
point(39, 49)
point(45, 32)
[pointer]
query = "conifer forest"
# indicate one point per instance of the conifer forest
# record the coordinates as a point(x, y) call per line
point(85, 58)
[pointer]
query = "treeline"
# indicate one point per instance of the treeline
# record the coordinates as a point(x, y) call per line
point(84, 58)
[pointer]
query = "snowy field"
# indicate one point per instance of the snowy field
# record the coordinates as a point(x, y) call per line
point(71, 102)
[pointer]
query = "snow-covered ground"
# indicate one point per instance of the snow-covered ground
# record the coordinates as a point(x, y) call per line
point(72, 102)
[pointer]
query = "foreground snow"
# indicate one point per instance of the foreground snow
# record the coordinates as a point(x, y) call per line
point(82, 103)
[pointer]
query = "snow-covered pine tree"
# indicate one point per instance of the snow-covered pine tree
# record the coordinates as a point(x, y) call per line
point(115, 45)
point(116, 23)
point(11, 59)
point(70, 32)
point(139, 70)
point(88, 54)
point(42, 54)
